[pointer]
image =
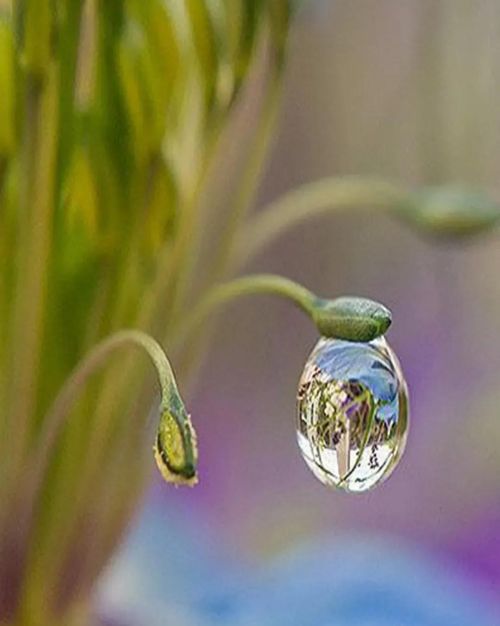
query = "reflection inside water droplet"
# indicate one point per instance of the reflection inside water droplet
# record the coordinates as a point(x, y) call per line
point(352, 413)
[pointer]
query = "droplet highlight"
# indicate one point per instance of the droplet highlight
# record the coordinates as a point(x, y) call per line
point(352, 413)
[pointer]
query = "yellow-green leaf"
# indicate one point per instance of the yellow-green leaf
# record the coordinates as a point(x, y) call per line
point(7, 90)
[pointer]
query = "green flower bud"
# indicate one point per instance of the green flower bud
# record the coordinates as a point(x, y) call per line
point(453, 211)
point(175, 449)
point(350, 318)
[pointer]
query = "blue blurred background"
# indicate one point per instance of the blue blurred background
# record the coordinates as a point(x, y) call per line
point(406, 90)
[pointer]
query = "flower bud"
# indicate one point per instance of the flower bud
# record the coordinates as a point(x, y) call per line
point(175, 448)
point(453, 211)
point(351, 319)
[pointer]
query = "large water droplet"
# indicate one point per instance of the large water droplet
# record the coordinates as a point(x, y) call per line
point(352, 413)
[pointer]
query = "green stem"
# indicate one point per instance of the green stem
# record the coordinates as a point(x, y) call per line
point(39, 81)
point(316, 199)
point(39, 165)
point(171, 260)
point(244, 286)
point(175, 447)
point(114, 390)
point(68, 55)
point(170, 398)
point(252, 175)
point(244, 197)
point(352, 319)
point(347, 318)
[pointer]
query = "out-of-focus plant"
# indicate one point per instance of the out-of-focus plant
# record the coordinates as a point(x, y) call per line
point(121, 207)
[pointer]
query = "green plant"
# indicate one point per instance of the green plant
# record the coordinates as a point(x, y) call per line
point(117, 118)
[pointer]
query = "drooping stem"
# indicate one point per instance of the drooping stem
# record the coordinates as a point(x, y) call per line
point(171, 406)
point(249, 285)
point(449, 211)
point(175, 446)
point(352, 319)
point(313, 200)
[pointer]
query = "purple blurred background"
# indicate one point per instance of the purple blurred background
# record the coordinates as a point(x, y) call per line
point(406, 90)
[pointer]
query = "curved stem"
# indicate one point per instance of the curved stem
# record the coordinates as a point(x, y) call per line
point(352, 319)
point(172, 407)
point(175, 445)
point(244, 286)
point(315, 199)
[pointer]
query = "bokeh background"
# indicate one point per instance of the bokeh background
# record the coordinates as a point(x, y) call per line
point(406, 90)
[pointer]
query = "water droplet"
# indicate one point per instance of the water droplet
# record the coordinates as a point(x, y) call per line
point(352, 413)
